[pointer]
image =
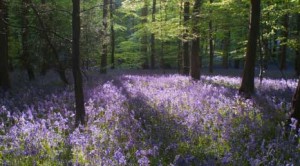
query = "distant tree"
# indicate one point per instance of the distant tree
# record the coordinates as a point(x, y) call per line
point(152, 62)
point(226, 49)
point(79, 98)
point(144, 39)
point(195, 60)
point(4, 67)
point(103, 68)
point(211, 42)
point(112, 30)
point(179, 54)
point(247, 86)
point(26, 60)
point(185, 42)
point(283, 48)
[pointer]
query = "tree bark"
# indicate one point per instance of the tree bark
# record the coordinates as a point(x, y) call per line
point(195, 62)
point(153, 36)
point(112, 30)
point(144, 39)
point(247, 86)
point(185, 43)
point(79, 98)
point(4, 67)
point(103, 68)
point(25, 40)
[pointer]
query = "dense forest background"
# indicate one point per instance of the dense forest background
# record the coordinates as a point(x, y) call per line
point(107, 39)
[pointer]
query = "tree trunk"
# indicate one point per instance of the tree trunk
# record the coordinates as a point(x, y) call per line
point(211, 42)
point(161, 60)
point(236, 64)
point(44, 34)
point(195, 64)
point(153, 36)
point(179, 54)
point(226, 50)
point(283, 47)
point(247, 86)
point(185, 43)
point(25, 40)
point(4, 67)
point(297, 61)
point(103, 68)
point(79, 98)
point(144, 39)
point(112, 30)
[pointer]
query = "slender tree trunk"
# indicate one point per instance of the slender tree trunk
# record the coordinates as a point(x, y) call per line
point(4, 70)
point(179, 57)
point(161, 60)
point(153, 36)
point(103, 68)
point(44, 65)
point(283, 50)
point(185, 43)
point(247, 86)
point(44, 34)
point(112, 30)
point(236, 63)
point(80, 111)
point(211, 44)
point(25, 40)
point(202, 53)
point(144, 39)
point(195, 64)
point(226, 50)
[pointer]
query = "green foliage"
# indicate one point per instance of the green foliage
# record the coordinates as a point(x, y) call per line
point(226, 16)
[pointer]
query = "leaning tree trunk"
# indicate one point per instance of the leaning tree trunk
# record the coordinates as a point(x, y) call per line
point(103, 68)
point(44, 34)
point(185, 43)
point(25, 40)
point(79, 98)
point(195, 62)
point(247, 86)
point(4, 67)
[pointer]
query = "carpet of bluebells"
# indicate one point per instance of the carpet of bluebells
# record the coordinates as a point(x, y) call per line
point(138, 118)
